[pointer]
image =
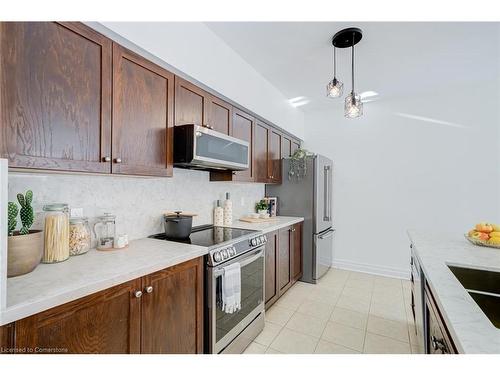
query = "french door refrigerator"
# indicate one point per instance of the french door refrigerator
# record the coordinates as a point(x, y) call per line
point(311, 198)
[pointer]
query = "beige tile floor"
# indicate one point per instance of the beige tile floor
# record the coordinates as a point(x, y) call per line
point(346, 312)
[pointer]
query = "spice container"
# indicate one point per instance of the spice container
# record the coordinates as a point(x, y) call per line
point(56, 233)
point(79, 236)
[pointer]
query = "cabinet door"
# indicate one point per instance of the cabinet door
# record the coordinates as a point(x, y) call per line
point(142, 115)
point(286, 148)
point(6, 338)
point(274, 156)
point(105, 322)
point(220, 115)
point(284, 272)
point(296, 252)
point(271, 279)
point(295, 146)
point(172, 310)
point(243, 128)
point(191, 103)
point(55, 96)
point(261, 150)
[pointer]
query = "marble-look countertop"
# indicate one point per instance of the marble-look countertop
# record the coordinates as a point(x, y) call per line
point(471, 330)
point(50, 285)
point(268, 226)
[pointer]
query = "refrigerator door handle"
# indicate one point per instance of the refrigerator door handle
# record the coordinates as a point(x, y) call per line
point(327, 197)
point(326, 234)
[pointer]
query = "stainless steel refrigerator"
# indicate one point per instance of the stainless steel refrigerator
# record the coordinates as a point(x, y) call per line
point(311, 198)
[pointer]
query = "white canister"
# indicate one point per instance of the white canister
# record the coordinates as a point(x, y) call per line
point(218, 215)
point(228, 211)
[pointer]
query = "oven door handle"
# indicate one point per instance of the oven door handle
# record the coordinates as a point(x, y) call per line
point(247, 260)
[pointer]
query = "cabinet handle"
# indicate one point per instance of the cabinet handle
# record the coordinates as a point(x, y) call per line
point(118, 160)
point(149, 289)
point(138, 294)
point(438, 344)
point(106, 158)
point(234, 172)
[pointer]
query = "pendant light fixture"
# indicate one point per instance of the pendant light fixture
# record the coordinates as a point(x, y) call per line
point(353, 107)
point(334, 88)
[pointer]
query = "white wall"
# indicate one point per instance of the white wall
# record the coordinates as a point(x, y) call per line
point(194, 49)
point(393, 173)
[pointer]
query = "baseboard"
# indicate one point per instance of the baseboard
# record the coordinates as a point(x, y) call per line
point(372, 268)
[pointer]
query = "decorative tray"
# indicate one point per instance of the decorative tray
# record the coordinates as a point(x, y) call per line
point(478, 242)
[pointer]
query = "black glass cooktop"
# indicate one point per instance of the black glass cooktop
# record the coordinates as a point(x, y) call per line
point(207, 235)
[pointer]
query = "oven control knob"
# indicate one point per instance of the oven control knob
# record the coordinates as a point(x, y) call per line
point(217, 256)
point(263, 239)
point(225, 254)
point(232, 251)
point(254, 242)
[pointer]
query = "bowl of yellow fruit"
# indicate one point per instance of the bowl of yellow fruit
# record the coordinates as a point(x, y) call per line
point(485, 234)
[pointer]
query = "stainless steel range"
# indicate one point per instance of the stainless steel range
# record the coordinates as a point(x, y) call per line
point(231, 332)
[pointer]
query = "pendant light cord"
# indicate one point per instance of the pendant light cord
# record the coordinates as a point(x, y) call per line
point(352, 63)
point(334, 62)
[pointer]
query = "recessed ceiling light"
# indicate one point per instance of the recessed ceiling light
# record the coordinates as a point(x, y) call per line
point(298, 101)
point(368, 94)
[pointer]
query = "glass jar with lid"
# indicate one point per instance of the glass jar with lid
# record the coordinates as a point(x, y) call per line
point(56, 233)
point(105, 230)
point(79, 235)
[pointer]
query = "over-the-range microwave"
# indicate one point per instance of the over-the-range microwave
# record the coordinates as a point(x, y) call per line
point(198, 147)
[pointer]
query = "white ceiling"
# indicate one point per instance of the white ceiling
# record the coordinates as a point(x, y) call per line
point(393, 59)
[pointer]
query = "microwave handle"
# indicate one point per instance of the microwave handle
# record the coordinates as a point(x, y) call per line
point(247, 260)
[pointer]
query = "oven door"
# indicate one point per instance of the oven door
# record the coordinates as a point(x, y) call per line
point(224, 327)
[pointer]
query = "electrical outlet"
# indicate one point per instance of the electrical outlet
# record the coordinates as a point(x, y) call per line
point(76, 212)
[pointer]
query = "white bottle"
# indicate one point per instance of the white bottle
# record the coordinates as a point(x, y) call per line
point(218, 215)
point(228, 211)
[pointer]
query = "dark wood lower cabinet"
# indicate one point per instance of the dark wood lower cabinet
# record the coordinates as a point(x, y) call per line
point(172, 310)
point(283, 261)
point(105, 322)
point(158, 313)
point(296, 252)
point(271, 291)
point(6, 338)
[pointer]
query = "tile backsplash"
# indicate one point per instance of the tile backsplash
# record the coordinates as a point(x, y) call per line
point(137, 202)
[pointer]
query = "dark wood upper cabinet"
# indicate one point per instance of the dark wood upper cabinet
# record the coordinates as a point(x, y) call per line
point(142, 115)
point(295, 146)
point(274, 156)
point(286, 147)
point(261, 152)
point(271, 280)
point(220, 115)
point(172, 321)
point(296, 252)
point(55, 102)
point(105, 322)
point(191, 103)
point(284, 271)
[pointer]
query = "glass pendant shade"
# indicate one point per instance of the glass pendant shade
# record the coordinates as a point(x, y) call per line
point(353, 106)
point(334, 88)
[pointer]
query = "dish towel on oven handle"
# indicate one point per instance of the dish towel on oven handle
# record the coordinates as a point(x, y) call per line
point(231, 288)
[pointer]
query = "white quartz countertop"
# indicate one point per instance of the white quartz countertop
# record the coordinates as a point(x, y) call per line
point(471, 330)
point(51, 285)
point(268, 226)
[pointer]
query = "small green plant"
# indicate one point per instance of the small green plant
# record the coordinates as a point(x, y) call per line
point(26, 211)
point(261, 205)
point(298, 165)
point(12, 215)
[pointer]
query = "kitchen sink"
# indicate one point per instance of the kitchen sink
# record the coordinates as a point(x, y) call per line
point(484, 287)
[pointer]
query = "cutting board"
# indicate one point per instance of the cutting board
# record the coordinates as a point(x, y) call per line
point(248, 219)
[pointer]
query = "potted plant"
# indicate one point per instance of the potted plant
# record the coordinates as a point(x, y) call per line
point(25, 246)
point(262, 208)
